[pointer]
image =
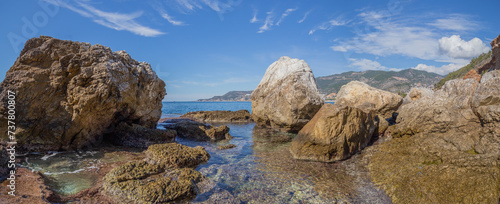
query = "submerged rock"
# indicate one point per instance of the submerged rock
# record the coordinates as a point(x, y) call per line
point(173, 155)
point(335, 133)
point(68, 94)
point(165, 176)
point(360, 95)
point(199, 131)
point(227, 146)
point(445, 145)
point(287, 96)
point(219, 116)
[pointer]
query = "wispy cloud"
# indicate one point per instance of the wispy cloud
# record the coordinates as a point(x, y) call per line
point(442, 70)
point(218, 6)
point(113, 20)
point(455, 22)
point(254, 18)
point(268, 23)
point(305, 16)
point(329, 25)
point(284, 15)
point(170, 19)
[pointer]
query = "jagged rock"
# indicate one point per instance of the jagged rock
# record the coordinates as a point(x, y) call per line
point(335, 133)
point(444, 145)
point(489, 75)
point(418, 92)
point(4, 159)
point(173, 155)
point(68, 94)
point(495, 48)
point(287, 96)
point(472, 74)
point(219, 116)
point(165, 176)
point(198, 131)
point(361, 95)
point(138, 136)
point(227, 146)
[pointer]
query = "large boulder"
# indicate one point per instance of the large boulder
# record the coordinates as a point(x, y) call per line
point(335, 133)
point(4, 162)
point(68, 94)
point(219, 116)
point(445, 145)
point(287, 96)
point(361, 95)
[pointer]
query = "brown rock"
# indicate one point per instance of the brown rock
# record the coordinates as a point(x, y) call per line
point(444, 146)
point(138, 136)
point(199, 131)
point(287, 96)
point(335, 133)
point(219, 116)
point(472, 74)
point(4, 162)
point(69, 93)
point(227, 146)
point(173, 155)
point(361, 95)
point(495, 48)
point(30, 188)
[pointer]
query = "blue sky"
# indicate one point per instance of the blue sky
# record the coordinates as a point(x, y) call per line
point(202, 48)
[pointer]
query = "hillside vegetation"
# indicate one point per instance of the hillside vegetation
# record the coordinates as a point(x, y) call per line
point(460, 73)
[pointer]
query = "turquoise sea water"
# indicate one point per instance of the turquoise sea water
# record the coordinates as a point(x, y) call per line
point(260, 169)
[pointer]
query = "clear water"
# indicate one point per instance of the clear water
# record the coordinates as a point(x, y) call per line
point(259, 169)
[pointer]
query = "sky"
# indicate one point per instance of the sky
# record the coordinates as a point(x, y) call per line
point(202, 48)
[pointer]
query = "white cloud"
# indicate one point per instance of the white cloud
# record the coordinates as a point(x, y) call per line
point(284, 15)
point(254, 18)
point(366, 64)
point(113, 20)
point(268, 23)
point(455, 22)
point(329, 25)
point(305, 16)
point(171, 19)
point(216, 5)
point(442, 70)
point(455, 47)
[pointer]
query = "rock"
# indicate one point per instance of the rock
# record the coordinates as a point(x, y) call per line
point(489, 75)
point(287, 96)
point(382, 125)
point(443, 146)
point(418, 92)
point(361, 95)
point(30, 186)
point(472, 74)
point(335, 133)
point(199, 131)
point(138, 136)
point(4, 162)
point(495, 48)
point(166, 175)
point(68, 94)
point(219, 116)
point(173, 155)
point(227, 146)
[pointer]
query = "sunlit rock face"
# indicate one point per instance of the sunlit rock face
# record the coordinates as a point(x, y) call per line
point(69, 94)
point(287, 97)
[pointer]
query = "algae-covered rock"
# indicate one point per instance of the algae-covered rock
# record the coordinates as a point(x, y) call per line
point(219, 116)
point(335, 133)
point(134, 135)
point(172, 155)
point(198, 131)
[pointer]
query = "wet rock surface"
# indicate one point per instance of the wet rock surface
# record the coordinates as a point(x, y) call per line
point(70, 93)
point(287, 97)
point(219, 116)
point(138, 136)
point(335, 133)
point(165, 176)
point(199, 131)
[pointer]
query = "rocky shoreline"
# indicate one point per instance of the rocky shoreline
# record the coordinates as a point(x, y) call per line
point(433, 146)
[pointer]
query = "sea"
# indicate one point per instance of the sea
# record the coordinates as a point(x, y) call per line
point(260, 169)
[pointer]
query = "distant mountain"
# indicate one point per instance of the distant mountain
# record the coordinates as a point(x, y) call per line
point(391, 81)
point(231, 96)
